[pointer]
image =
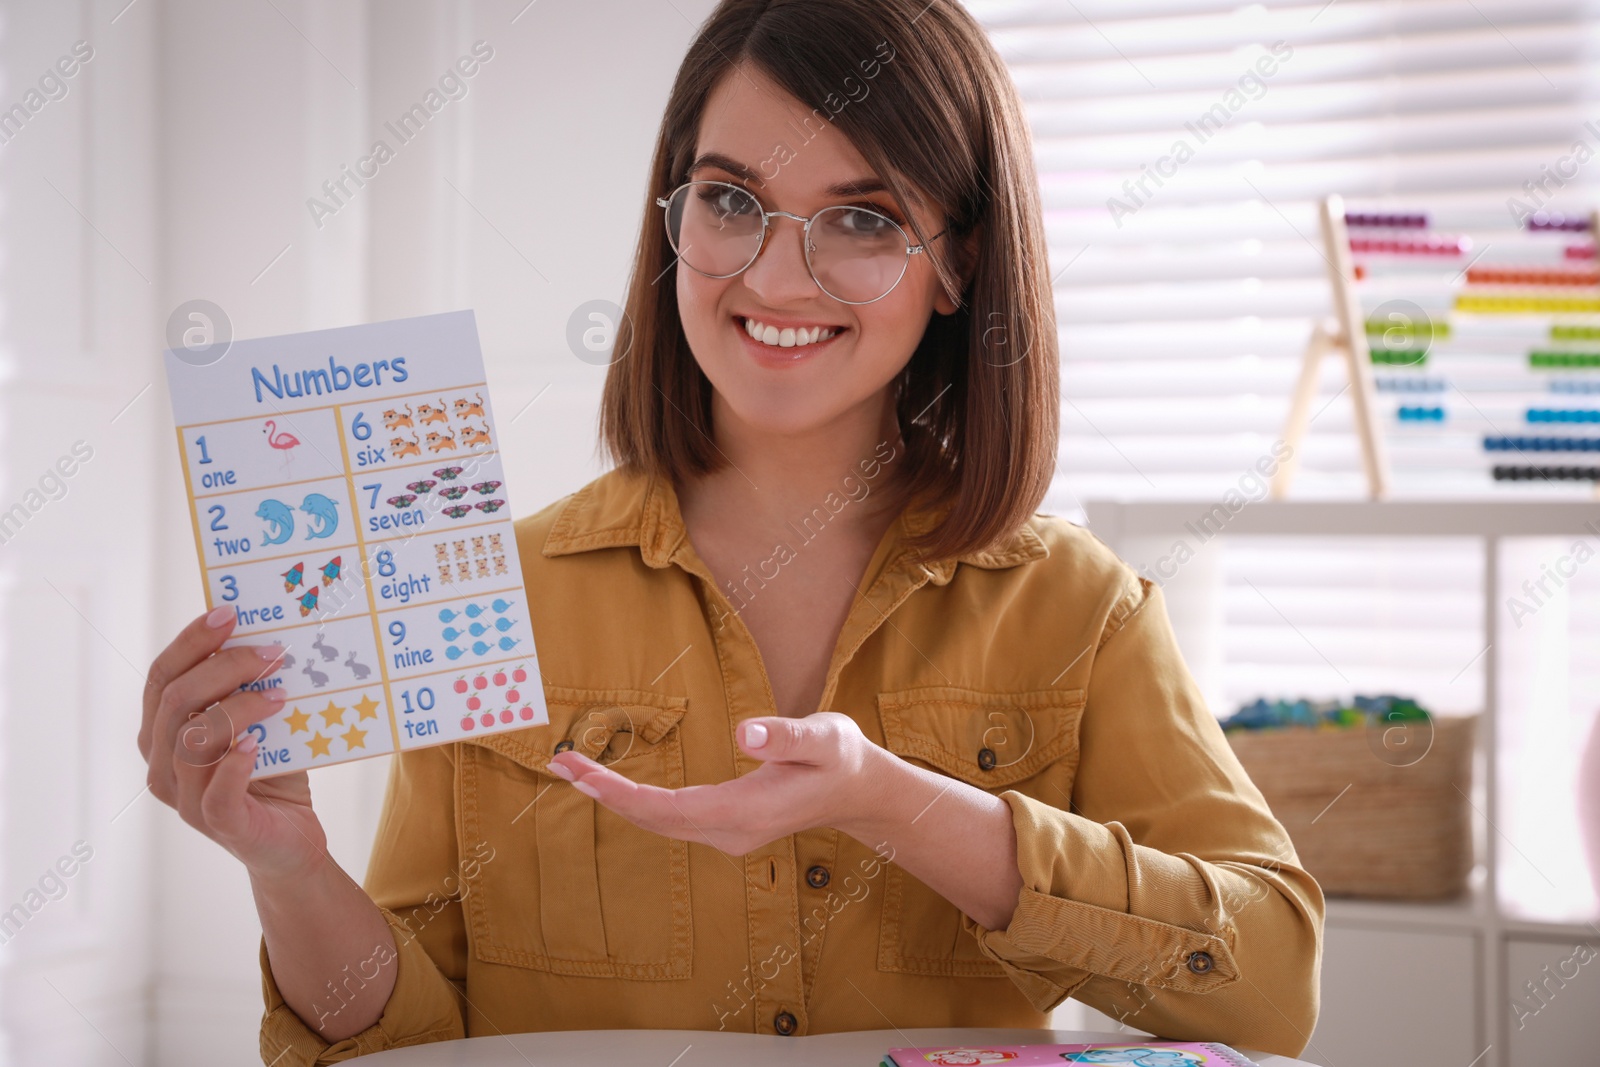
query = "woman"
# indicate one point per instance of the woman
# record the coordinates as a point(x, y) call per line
point(842, 734)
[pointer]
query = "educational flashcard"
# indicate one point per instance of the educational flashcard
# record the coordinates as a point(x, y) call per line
point(349, 502)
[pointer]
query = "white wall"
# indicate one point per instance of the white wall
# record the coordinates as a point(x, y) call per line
point(190, 144)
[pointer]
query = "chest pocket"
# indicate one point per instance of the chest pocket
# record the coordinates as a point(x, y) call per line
point(578, 890)
point(1027, 741)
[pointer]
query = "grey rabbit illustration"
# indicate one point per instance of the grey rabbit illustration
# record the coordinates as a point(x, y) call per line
point(361, 670)
point(329, 653)
point(318, 679)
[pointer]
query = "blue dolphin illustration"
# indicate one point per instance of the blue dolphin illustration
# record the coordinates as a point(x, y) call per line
point(323, 511)
point(280, 521)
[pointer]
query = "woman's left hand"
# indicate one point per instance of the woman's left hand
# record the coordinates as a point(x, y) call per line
point(817, 771)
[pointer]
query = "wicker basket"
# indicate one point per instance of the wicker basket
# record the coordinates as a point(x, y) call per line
point(1402, 828)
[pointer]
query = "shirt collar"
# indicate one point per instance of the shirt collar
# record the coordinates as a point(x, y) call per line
point(624, 508)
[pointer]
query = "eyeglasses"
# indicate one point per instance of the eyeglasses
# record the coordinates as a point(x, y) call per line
point(855, 255)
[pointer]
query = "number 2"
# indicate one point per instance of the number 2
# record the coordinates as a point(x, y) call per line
point(217, 511)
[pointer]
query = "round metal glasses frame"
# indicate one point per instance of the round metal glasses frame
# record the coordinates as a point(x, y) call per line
point(665, 203)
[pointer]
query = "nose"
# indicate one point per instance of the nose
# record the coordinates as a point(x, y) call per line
point(780, 275)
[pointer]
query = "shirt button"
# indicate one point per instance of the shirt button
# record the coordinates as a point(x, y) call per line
point(817, 877)
point(563, 746)
point(986, 758)
point(785, 1023)
point(1200, 962)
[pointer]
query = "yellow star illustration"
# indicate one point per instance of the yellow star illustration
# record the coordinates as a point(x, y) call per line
point(297, 721)
point(319, 745)
point(354, 738)
point(333, 714)
point(367, 707)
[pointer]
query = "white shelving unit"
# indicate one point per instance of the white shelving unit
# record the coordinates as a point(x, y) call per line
point(1418, 983)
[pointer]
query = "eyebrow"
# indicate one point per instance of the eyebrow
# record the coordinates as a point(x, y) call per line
point(854, 187)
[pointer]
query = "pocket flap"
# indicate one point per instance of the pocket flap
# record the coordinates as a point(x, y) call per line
point(985, 739)
point(591, 719)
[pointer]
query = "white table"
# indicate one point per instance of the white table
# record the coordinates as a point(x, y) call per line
point(713, 1048)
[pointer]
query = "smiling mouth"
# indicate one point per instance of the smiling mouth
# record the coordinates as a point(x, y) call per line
point(788, 336)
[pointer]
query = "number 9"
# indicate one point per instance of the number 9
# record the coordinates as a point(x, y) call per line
point(397, 630)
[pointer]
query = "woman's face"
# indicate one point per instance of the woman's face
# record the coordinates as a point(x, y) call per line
point(749, 120)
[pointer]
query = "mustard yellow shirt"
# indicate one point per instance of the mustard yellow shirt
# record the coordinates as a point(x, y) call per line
point(1158, 886)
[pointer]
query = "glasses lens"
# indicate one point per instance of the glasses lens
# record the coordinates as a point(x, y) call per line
point(714, 227)
point(856, 255)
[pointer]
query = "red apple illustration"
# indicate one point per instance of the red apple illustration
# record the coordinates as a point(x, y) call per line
point(487, 718)
point(505, 715)
point(513, 696)
point(519, 675)
point(480, 682)
point(499, 678)
point(461, 684)
point(466, 722)
point(473, 703)
point(527, 712)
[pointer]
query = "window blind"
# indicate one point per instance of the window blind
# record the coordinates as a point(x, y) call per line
point(1182, 149)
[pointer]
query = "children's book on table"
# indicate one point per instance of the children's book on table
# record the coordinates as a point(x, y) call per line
point(1144, 1054)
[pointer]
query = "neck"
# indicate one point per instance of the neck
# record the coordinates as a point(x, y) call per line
point(847, 466)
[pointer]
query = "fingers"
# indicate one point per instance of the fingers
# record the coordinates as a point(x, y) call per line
point(206, 745)
point(197, 640)
point(201, 637)
point(215, 680)
point(815, 739)
point(222, 801)
point(732, 816)
point(205, 738)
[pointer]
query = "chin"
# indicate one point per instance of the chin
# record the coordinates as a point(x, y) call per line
point(784, 411)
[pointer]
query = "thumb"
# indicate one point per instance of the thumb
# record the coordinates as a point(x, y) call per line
point(774, 737)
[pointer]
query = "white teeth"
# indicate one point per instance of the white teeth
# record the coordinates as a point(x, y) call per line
point(788, 337)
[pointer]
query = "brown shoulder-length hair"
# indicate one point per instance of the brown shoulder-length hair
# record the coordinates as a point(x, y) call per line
point(922, 95)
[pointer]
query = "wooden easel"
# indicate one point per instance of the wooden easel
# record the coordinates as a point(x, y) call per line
point(1346, 332)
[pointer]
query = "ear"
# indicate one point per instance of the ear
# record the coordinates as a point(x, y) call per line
point(966, 261)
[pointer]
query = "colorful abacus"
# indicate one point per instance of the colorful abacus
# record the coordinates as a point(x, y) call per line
point(1497, 340)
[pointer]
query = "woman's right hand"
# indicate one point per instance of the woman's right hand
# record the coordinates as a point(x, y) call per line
point(194, 711)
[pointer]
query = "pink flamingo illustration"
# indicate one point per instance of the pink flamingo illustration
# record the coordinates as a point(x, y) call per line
point(280, 439)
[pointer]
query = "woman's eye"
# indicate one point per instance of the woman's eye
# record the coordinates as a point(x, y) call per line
point(860, 223)
point(726, 202)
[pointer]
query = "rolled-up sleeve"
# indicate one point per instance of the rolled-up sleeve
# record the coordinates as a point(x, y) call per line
point(1168, 896)
point(414, 877)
